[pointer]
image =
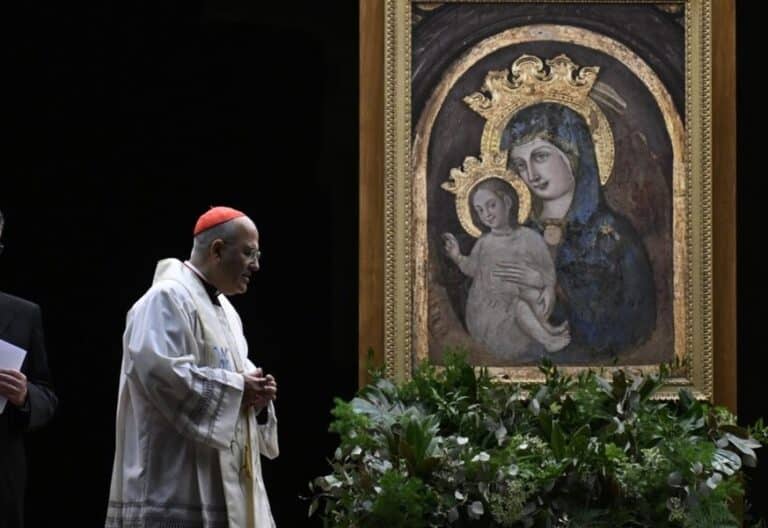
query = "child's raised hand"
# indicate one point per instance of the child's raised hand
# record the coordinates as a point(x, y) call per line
point(451, 246)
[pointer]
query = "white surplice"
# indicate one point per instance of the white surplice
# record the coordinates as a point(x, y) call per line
point(180, 452)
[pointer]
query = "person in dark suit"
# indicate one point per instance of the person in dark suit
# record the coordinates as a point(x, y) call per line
point(31, 400)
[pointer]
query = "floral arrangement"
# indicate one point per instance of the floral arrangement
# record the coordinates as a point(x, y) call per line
point(452, 447)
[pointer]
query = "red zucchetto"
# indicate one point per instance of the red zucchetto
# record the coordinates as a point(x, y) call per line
point(215, 216)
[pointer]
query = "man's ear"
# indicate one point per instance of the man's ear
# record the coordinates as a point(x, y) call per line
point(508, 201)
point(216, 249)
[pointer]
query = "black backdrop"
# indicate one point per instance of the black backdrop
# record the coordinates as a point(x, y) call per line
point(125, 120)
point(752, 190)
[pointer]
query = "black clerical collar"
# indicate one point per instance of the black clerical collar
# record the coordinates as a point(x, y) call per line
point(210, 289)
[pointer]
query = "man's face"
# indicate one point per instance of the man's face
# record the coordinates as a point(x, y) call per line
point(239, 258)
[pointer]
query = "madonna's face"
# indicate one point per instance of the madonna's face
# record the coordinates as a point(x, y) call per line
point(544, 168)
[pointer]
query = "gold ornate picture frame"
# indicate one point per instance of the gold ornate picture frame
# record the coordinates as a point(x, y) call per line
point(453, 99)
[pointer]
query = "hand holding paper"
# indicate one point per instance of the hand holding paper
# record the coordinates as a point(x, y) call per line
point(13, 383)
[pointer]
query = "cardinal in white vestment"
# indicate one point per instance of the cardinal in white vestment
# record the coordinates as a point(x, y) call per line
point(188, 446)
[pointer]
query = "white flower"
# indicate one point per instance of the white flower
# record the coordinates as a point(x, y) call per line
point(501, 434)
point(475, 510)
point(482, 456)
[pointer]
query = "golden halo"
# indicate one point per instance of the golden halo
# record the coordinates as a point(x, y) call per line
point(528, 82)
point(476, 171)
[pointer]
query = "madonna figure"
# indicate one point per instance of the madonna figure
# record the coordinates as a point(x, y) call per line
point(605, 289)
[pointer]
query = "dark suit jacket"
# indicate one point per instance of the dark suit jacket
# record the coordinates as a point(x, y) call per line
point(21, 325)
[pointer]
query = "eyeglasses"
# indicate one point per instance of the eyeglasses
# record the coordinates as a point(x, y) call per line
point(251, 254)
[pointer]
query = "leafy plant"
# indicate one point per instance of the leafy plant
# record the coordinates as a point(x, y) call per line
point(451, 447)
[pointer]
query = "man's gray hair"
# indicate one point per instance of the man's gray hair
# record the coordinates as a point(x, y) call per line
point(203, 241)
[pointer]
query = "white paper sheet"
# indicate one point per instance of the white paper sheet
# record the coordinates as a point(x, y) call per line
point(11, 357)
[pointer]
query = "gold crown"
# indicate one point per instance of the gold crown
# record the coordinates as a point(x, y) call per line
point(532, 83)
point(477, 170)
point(527, 82)
point(506, 92)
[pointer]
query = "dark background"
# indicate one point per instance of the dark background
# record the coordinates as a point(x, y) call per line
point(125, 120)
point(752, 188)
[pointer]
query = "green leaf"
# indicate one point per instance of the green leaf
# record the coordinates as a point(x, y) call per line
point(545, 421)
point(686, 399)
point(726, 461)
point(737, 431)
point(745, 445)
point(619, 384)
point(501, 434)
point(603, 453)
point(579, 440)
point(535, 407)
point(313, 507)
point(558, 440)
point(648, 387)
